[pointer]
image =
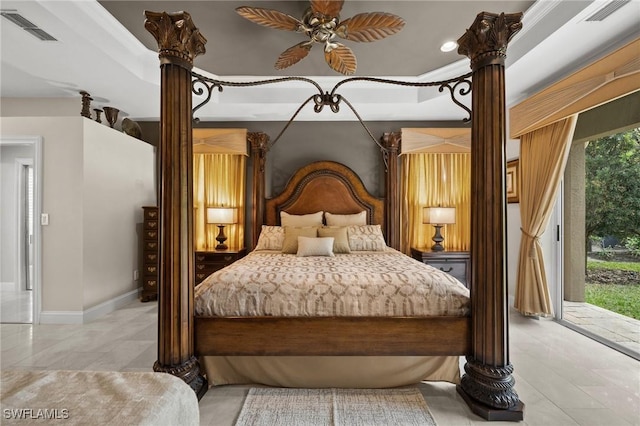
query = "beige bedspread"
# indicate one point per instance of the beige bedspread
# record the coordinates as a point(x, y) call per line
point(96, 398)
point(388, 283)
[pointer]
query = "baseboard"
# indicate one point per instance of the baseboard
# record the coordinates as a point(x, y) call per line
point(61, 317)
point(109, 306)
point(88, 315)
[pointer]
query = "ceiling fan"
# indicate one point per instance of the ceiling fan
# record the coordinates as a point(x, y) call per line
point(321, 23)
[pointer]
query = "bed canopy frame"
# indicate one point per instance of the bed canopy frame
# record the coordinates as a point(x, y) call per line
point(487, 385)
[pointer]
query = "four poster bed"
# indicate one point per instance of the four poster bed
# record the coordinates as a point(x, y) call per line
point(369, 301)
point(482, 336)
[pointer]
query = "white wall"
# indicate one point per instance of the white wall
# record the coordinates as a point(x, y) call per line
point(62, 199)
point(513, 228)
point(118, 181)
point(69, 274)
point(39, 107)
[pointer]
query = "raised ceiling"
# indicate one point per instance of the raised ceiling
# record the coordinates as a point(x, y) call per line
point(103, 48)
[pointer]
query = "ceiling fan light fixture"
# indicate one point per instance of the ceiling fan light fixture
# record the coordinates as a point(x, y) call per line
point(448, 46)
point(321, 24)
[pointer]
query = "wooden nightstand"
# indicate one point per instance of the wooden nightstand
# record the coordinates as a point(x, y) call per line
point(456, 263)
point(207, 262)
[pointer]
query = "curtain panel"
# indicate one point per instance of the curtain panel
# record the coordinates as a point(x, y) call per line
point(430, 179)
point(218, 181)
point(543, 157)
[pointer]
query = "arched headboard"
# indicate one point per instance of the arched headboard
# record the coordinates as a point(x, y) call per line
point(328, 186)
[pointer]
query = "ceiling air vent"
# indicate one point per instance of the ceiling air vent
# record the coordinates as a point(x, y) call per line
point(607, 10)
point(27, 25)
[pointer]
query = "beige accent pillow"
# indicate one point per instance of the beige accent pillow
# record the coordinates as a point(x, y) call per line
point(366, 238)
point(271, 238)
point(346, 219)
point(313, 219)
point(340, 238)
point(315, 246)
point(291, 234)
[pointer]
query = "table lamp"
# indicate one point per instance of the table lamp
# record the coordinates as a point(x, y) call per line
point(438, 216)
point(222, 216)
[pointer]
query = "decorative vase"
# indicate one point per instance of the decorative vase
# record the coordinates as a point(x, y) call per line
point(98, 112)
point(86, 104)
point(111, 114)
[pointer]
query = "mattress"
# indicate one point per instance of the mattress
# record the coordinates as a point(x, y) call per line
point(372, 283)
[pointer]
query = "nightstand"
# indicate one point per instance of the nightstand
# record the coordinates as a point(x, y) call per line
point(456, 263)
point(208, 262)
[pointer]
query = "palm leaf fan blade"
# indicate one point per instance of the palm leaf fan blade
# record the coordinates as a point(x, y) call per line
point(293, 55)
point(367, 27)
point(269, 18)
point(327, 7)
point(341, 59)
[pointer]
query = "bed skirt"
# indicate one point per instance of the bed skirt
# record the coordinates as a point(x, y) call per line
point(330, 371)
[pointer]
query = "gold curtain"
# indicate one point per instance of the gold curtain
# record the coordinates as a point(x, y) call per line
point(218, 180)
point(543, 156)
point(430, 179)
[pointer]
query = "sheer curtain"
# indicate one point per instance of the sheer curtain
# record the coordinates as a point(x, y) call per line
point(430, 179)
point(218, 180)
point(543, 156)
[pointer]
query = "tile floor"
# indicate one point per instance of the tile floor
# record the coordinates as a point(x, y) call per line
point(563, 377)
point(16, 306)
point(620, 329)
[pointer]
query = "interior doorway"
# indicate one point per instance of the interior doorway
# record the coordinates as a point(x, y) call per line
point(20, 165)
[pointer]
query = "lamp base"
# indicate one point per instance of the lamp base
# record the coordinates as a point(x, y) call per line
point(437, 239)
point(221, 238)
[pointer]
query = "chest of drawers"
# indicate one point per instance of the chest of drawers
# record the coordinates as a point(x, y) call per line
point(150, 254)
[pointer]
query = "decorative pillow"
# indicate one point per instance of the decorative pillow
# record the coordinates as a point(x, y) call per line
point(315, 246)
point(346, 219)
point(291, 234)
point(271, 238)
point(340, 238)
point(313, 219)
point(366, 238)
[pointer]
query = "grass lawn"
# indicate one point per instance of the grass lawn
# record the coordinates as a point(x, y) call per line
point(616, 266)
point(621, 298)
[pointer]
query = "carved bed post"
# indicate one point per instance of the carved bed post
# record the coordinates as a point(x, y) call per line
point(179, 42)
point(391, 142)
point(488, 386)
point(259, 143)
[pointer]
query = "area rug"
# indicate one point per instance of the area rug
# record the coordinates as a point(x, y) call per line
point(335, 407)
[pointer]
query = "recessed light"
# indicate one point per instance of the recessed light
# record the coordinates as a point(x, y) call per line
point(448, 46)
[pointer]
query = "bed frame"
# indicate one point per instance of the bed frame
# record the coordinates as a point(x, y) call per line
point(487, 386)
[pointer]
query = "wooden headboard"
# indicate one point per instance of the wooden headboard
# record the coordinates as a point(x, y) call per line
point(328, 186)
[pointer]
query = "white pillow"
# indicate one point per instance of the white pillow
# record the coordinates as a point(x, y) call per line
point(271, 238)
point(366, 238)
point(315, 246)
point(346, 219)
point(313, 219)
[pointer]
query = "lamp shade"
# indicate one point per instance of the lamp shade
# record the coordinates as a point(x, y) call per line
point(222, 215)
point(439, 215)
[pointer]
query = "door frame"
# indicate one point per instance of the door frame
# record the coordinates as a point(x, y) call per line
point(36, 143)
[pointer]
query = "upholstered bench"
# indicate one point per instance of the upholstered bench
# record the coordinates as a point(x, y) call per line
point(96, 397)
